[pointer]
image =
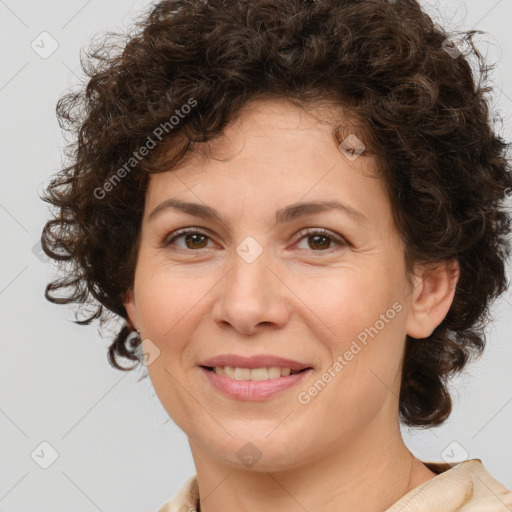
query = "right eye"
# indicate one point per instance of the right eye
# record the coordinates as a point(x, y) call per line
point(193, 238)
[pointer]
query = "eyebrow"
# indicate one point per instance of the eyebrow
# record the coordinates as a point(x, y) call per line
point(286, 214)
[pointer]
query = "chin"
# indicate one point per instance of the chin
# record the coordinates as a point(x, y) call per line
point(260, 451)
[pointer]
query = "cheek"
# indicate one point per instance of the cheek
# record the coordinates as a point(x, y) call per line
point(169, 310)
point(366, 329)
point(167, 301)
point(351, 300)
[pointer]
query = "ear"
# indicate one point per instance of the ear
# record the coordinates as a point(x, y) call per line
point(431, 298)
point(131, 308)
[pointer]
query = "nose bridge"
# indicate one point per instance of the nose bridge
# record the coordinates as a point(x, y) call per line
point(251, 294)
point(248, 279)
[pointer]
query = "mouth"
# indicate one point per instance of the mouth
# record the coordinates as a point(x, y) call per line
point(254, 374)
point(253, 384)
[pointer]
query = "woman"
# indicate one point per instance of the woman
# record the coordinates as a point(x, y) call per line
point(291, 205)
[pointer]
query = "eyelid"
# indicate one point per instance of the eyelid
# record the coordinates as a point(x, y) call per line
point(185, 231)
point(340, 240)
point(303, 233)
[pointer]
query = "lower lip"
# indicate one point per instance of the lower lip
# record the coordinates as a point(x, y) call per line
point(253, 389)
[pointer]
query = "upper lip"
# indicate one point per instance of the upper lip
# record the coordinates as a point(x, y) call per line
point(259, 361)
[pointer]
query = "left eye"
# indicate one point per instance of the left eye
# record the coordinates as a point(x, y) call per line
point(321, 238)
point(195, 237)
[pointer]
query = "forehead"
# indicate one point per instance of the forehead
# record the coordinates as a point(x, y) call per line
point(276, 128)
point(277, 152)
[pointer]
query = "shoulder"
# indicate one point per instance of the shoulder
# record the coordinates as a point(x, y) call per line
point(465, 487)
point(494, 503)
point(185, 500)
point(488, 494)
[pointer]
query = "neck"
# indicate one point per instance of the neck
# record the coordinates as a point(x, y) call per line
point(368, 474)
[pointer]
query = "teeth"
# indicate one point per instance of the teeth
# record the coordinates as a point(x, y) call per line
point(271, 372)
point(242, 374)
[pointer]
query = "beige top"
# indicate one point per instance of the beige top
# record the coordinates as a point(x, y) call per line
point(466, 487)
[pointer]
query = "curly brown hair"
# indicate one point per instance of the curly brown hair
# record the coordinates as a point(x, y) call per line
point(420, 108)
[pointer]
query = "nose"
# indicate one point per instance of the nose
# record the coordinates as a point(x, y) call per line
point(252, 297)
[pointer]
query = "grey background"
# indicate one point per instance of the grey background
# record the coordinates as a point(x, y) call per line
point(116, 451)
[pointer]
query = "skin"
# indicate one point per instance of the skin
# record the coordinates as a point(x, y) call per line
point(303, 298)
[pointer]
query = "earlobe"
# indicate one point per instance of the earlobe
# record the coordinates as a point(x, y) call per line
point(431, 298)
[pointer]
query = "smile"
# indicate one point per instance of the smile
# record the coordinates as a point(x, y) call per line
point(255, 374)
point(242, 384)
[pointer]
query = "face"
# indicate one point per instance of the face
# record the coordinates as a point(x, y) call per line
point(323, 288)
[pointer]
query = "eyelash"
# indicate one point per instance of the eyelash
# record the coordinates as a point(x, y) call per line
point(303, 233)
